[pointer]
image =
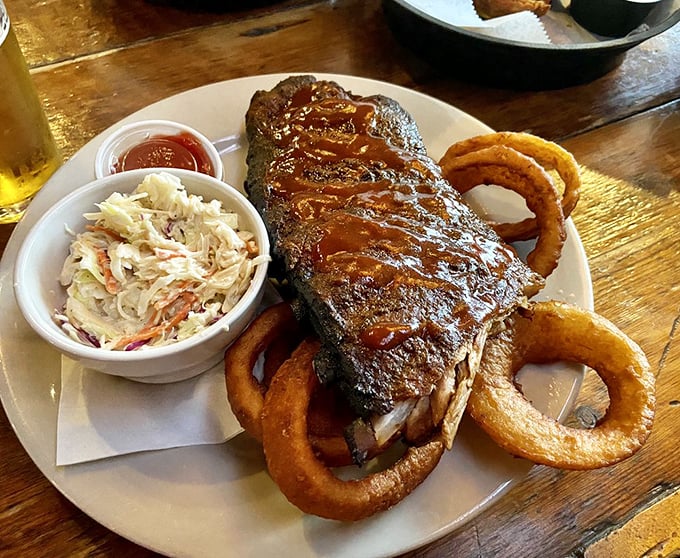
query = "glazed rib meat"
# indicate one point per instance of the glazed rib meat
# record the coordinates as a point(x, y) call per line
point(398, 275)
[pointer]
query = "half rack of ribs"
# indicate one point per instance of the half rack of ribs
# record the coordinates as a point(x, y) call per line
point(401, 280)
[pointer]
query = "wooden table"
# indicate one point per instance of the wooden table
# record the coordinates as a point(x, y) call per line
point(96, 62)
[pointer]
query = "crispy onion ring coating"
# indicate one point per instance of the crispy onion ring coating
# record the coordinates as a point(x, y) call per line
point(307, 482)
point(511, 169)
point(276, 331)
point(552, 331)
point(546, 153)
point(245, 393)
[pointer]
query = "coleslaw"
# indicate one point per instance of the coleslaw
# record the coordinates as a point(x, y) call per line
point(154, 267)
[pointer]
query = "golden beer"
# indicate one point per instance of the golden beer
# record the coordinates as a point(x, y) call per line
point(28, 153)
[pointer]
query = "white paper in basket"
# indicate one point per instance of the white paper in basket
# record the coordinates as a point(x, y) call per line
point(522, 26)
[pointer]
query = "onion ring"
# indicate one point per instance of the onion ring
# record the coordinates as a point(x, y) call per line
point(307, 482)
point(511, 169)
point(276, 332)
point(276, 354)
point(245, 393)
point(548, 332)
point(327, 417)
point(546, 153)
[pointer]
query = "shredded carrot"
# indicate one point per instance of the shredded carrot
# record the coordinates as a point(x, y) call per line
point(148, 332)
point(104, 262)
point(106, 230)
point(168, 300)
point(167, 254)
point(251, 248)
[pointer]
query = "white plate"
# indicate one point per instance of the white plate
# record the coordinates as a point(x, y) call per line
point(218, 500)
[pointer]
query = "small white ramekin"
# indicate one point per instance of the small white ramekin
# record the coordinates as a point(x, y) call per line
point(119, 141)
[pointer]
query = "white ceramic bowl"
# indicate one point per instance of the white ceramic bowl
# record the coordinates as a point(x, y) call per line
point(119, 141)
point(39, 293)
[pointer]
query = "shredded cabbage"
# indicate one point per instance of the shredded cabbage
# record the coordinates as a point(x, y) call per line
point(154, 267)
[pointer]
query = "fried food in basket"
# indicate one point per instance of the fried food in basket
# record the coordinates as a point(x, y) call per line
point(497, 8)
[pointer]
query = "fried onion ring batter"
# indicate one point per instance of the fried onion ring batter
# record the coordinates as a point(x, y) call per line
point(505, 167)
point(546, 153)
point(245, 393)
point(552, 331)
point(303, 478)
point(276, 332)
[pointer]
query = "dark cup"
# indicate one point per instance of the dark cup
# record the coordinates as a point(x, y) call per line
point(612, 18)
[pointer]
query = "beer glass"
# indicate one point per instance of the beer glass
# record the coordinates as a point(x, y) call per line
point(28, 153)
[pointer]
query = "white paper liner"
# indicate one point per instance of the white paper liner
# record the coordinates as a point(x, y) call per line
point(522, 26)
point(557, 27)
point(103, 416)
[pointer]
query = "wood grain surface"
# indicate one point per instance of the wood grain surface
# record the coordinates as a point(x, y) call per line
point(95, 62)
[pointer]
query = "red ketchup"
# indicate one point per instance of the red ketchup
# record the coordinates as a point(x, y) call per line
point(180, 151)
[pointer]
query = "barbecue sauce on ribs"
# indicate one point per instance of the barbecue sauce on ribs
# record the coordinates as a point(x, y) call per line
point(399, 274)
